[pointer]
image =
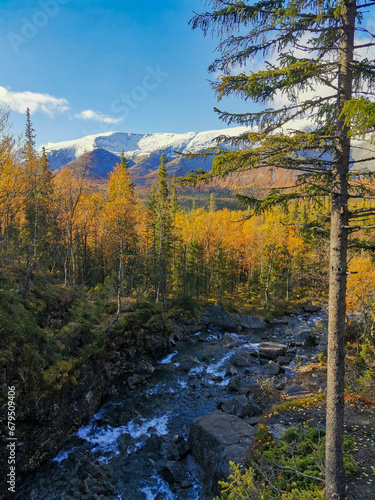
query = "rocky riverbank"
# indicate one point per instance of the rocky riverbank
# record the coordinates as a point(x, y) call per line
point(224, 369)
point(43, 426)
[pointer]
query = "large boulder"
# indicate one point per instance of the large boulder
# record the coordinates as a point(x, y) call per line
point(239, 406)
point(216, 439)
point(234, 384)
point(144, 368)
point(271, 368)
point(174, 472)
point(251, 322)
point(230, 340)
point(272, 350)
point(242, 358)
point(219, 317)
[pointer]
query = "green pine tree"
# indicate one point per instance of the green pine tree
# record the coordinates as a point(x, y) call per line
point(316, 44)
point(162, 208)
point(123, 162)
point(174, 203)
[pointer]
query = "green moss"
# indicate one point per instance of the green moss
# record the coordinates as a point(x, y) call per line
point(298, 403)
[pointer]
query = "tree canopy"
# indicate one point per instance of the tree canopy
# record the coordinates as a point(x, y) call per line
point(319, 81)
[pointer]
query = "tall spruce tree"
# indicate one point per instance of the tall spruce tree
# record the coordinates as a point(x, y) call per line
point(163, 226)
point(161, 208)
point(32, 203)
point(123, 162)
point(317, 71)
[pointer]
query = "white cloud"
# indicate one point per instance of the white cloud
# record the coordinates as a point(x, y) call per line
point(20, 101)
point(89, 114)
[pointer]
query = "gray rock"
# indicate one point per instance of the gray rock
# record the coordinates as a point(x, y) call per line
point(252, 420)
point(231, 372)
point(177, 333)
point(134, 380)
point(179, 449)
point(230, 340)
point(186, 483)
point(235, 406)
point(271, 368)
point(144, 368)
point(219, 317)
point(173, 472)
point(153, 444)
point(234, 384)
point(215, 439)
point(272, 350)
point(278, 430)
point(188, 363)
point(305, 339)
point(283, 320)
point(205, 320)
point(284, 360)
point(311, 308)
point(240, 407)
point(251, 322)
point(296, 390)
point(242, 358)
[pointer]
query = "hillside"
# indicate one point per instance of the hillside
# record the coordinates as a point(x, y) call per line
point(143, 152)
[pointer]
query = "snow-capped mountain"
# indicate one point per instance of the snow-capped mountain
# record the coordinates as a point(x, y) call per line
point(107, 147)
point(143, 152)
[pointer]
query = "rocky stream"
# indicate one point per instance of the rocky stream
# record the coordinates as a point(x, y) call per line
point(168, 431)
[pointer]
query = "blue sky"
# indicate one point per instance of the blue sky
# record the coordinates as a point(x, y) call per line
point(91, 66)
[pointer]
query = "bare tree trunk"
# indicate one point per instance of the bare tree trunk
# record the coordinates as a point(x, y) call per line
point(335, 475)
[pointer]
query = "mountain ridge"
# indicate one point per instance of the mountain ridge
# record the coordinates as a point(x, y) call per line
point(143, 152)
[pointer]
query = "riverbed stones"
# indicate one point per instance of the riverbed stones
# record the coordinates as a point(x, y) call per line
point(242, 358)
point(305, 339)
point(153, 444)
point(134, 380)
point(174, 472)
point(251, 322)
point(272, 350)
point(282, 320)
point(234, 384)
point(215, 439)
point(219, 317)
point(188, 363)
point(230, 340)
point(238, 406)
point(309, 307)
point(284, 360)
point(179, 448)
point(144, 368)
point(271, 368)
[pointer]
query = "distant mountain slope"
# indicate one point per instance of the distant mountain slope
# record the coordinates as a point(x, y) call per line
point(134, 145)
point(143, 152)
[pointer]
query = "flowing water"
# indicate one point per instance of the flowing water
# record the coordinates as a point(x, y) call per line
point(120, 453)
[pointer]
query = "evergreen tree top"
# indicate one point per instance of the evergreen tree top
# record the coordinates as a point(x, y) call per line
point(163, 192)
point(44, 162)
point(303, 42)
point(29, 136)
point(123, 162)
